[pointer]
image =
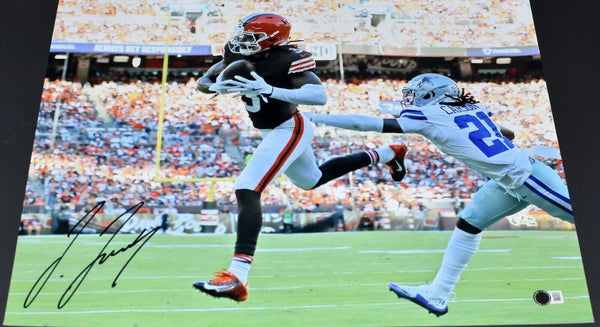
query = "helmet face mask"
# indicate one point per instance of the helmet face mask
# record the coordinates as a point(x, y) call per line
point(408, 97)
point(428, 89)
point(258, 32)
point(247, 43)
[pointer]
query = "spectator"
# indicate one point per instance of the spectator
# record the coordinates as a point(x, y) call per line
point(288, 220)
point(34, 226)
point(338, 217)
point(167, 214)
point(414, 23)
point(119, 162)
point(365, 222)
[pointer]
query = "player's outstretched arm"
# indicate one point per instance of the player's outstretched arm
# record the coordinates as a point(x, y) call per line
point(358, 122)
point(210, 77)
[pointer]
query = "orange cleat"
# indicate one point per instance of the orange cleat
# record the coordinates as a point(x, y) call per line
point(397, 167)
point(224, 285)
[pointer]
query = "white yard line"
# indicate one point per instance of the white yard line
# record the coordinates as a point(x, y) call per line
point(15, 280)
point(295, 307)
point(416, 251)
point(293, 287)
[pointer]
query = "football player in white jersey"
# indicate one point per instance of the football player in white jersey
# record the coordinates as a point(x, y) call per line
point(459, 126)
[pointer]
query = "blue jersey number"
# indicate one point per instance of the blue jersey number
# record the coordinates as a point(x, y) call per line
point(499, 143)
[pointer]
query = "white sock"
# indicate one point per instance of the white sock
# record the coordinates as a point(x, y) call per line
point(240, 266)
point(384, 154)
point(461, 249)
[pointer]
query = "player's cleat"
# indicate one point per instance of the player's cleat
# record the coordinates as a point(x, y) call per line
point(224, 285)
point(423, 296)
point(396, 165)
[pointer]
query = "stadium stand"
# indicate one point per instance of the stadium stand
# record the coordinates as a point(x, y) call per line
point(96, 138)
point(115, 159)
point(409, 23)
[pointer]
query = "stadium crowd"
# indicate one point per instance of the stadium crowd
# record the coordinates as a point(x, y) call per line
point(104, 144)
point(411, 23)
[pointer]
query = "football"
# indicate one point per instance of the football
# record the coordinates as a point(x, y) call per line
point(240, 67)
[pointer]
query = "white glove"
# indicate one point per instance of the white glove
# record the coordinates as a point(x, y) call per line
point(249, 94)
point(251, 86)
point(222, 87)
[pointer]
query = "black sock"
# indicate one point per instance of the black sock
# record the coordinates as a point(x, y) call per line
point(249, 221)
point(339, 166)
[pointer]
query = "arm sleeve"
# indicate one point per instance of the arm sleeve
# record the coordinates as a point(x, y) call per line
point(209, 77)
point(352, 122)
point(309, 94)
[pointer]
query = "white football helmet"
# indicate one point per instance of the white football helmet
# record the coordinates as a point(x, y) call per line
point(428, 89)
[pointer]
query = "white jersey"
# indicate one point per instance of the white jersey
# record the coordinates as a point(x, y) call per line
point(469, 135)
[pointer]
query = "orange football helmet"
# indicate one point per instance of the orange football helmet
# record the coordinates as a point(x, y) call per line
point(258, 32)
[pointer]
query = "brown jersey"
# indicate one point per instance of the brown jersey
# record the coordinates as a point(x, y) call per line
point(276, 65)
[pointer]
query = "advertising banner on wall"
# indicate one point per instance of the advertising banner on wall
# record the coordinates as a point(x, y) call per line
point(214, 221)
point(130, 49)
point(320, 51)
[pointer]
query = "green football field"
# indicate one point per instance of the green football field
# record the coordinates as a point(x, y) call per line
point(321, 279)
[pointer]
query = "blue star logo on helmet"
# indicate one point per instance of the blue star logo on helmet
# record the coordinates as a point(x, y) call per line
point(425, 79)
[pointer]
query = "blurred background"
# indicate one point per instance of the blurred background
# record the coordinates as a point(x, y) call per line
point(121, 121)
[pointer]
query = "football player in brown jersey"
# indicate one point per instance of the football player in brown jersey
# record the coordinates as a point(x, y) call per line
point(283, 78)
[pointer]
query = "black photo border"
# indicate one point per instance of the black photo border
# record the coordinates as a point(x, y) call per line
point(566, 33)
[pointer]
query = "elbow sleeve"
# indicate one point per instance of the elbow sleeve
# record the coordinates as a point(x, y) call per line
point(308, 94)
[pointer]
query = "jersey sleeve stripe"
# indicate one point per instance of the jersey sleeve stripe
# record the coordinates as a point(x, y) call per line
point(302, 68)
point(414, 117)
point(413, 114)
point(418, 112)
point(302, 61)
point(301, 65)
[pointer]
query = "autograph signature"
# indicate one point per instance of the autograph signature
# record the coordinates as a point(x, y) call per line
point(101, 258)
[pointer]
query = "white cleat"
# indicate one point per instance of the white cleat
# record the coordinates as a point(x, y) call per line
point(422, 296)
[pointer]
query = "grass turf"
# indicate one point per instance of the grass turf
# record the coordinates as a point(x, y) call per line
point(321, 279)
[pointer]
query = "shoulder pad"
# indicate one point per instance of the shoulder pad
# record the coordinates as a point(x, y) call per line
point(300, 60)
point(484, 108)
